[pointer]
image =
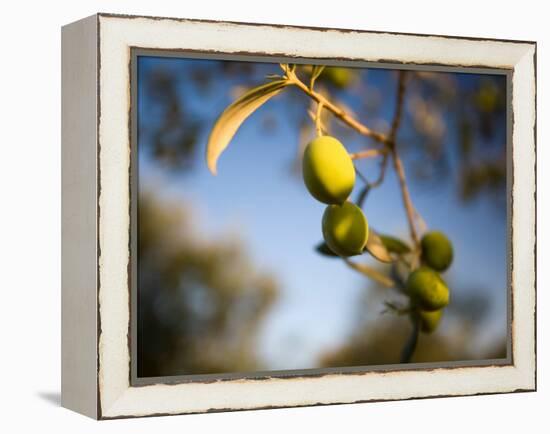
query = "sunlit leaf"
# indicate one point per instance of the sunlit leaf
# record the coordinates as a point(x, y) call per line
point(377, 249)
point(394, 245)
point(234, 115)
point(371, 273)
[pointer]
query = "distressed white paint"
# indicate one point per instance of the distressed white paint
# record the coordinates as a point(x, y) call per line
point(117, 35)
point(79, 217)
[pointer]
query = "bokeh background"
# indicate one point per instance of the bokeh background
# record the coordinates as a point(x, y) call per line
point(229, 278)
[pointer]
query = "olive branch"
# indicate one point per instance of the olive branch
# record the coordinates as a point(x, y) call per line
point(384, 248)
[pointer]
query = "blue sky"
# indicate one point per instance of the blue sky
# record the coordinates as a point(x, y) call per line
point(255, 196)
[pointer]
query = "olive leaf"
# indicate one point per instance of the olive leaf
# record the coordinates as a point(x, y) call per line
point(234, 115)
point(396, 308)
point(394, 245)
point(377, 249)
point(315, 73)
point(371, 273)
point(362, 196)
point(324, 250)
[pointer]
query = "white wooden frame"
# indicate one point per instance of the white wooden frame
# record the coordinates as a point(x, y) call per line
point(96, 215)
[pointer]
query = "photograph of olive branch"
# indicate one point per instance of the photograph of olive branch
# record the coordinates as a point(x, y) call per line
point(295, 217)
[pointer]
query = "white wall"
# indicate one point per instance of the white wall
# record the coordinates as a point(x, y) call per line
point(30, 215)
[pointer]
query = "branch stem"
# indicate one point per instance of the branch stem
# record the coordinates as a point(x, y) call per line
point(338, 111)
point(407, 202)
point(398, 106)
point(318, 123)
point(410, 345)
point(397, 163)
point(368, 153)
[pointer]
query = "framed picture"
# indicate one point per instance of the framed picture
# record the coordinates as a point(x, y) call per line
point(261, 216)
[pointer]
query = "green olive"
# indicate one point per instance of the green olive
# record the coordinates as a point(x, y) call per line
point(428, 320)
point(339, 77)
point(427, 289)
point(345, 229)
point(328, 171)
point(437, 250)
point(487, 97)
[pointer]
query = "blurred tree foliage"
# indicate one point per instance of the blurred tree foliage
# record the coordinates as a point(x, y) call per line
point(174, 137)
point(172, 127)
point(476, 116)
point(200, 303)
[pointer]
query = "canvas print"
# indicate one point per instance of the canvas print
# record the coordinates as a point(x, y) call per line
point(300, 217)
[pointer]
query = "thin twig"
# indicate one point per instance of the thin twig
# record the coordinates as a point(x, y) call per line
point(410, 345)
point(398, 106)
point(362, 177)
point(397, 163)
point(382, 174)
point(368, 153)
point(396, 308)
point(315, 73)
point(370, 185)
point(318, 123)
point(311, 115)
point(409, 208)
point(337, 111)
